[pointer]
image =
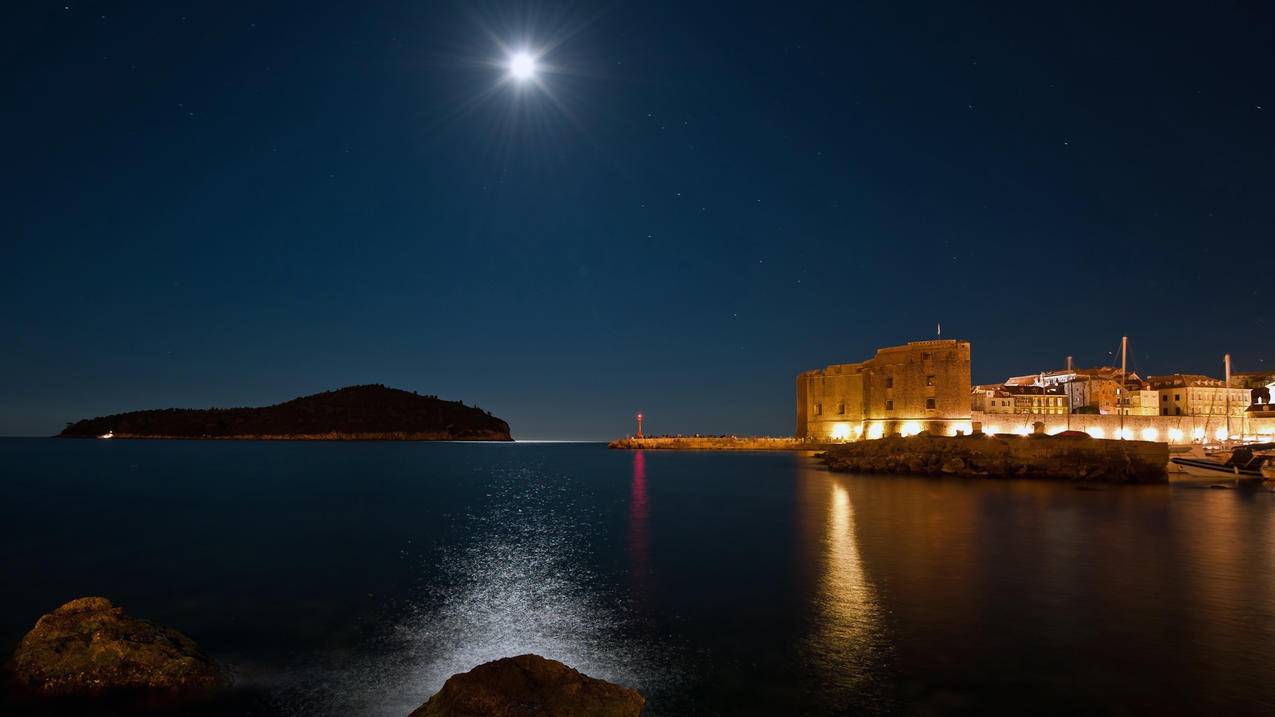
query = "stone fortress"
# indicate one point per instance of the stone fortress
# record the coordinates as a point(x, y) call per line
point(925, 386)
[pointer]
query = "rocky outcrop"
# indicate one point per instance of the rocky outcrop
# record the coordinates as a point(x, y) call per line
point(356, 413)
point(1075, 458)
point(529, 685)
point(89, 647)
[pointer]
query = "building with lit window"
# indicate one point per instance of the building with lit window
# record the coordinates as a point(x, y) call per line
point(1019, 398)
point(924, 385)
point(1195, 395)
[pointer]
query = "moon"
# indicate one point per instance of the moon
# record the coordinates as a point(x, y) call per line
point(522, 66)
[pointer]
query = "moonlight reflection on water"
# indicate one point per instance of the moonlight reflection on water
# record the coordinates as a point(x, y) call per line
point(518, 586)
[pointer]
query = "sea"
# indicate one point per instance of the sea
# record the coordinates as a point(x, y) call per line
point(355, 578)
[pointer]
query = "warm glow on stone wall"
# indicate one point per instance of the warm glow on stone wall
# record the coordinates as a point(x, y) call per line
point(959, 428)
point(1176, 435)
point(875, 431)
point(1097, 432)
point(1125, 434)
point(1220, 433)
point(910, 428)
point(841, 431)
point(1150, 434)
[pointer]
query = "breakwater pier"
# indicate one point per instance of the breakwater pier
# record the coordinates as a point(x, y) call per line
point(718, 443)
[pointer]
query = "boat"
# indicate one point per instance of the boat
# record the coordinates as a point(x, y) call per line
point(1247, 462)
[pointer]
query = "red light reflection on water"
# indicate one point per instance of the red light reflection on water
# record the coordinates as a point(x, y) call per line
point(638, 543)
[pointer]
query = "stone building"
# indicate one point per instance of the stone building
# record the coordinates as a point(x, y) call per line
point(1097, 388)
point(1136, 400)
point(1253, 379)
point(924, 385)
point(1195, 395)
point(1019, 398)
point(990, 398)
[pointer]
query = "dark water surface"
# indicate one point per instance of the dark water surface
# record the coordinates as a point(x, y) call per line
point(353, 578)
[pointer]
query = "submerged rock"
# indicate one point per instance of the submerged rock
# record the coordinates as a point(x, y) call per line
point(530, 685)
point(88, 646)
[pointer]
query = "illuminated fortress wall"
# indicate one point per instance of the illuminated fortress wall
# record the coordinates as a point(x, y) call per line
point(1164, 429)
point(924, 385)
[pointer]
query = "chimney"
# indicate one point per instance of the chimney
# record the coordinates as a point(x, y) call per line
point(1068, 363)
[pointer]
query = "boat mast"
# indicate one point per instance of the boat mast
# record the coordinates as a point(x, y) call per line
point(1226, 360)
point(1120, 390)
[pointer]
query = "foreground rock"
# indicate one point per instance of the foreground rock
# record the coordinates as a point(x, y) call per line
point(530, 685)
point(1074, 458)
point(89, 647)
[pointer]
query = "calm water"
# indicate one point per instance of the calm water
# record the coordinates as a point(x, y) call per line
point(354, 578)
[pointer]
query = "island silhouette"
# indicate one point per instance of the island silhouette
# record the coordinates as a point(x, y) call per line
point(356, 413)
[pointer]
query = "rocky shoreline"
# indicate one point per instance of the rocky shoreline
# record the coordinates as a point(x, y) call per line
point(1068, 458)
point(88, 657)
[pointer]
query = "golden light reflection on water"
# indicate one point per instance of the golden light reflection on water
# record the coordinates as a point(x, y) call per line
point(845, 641)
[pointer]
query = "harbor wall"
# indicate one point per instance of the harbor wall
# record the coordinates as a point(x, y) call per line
point(1176, 430)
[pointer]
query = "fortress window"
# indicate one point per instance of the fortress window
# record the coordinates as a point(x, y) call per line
point(929, 380)
point(889, 405)
point(929, 403)
point(818, 409)
point(841, 407)
point(925, 355)
point(889, 382)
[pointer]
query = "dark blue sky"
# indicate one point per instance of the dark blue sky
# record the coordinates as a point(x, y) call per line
point(234, 204)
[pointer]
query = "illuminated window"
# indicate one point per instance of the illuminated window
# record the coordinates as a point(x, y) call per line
point(929, 380)
point(929, 403)
point(889, 405)
point(925, 355)
point(818, 409)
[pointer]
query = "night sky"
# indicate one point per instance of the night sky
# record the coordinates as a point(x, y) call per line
point(220, 204)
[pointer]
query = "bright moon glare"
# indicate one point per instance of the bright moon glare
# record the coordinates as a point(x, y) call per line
point(522, 66)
